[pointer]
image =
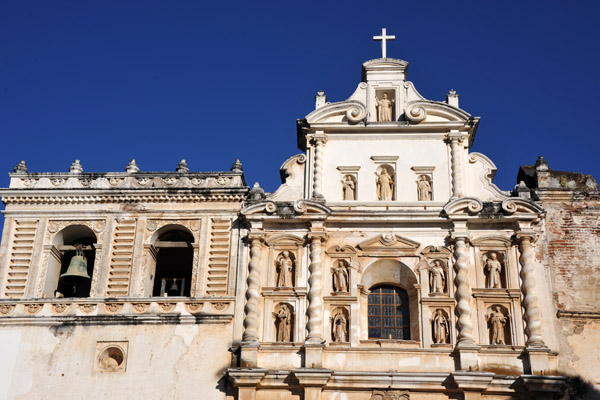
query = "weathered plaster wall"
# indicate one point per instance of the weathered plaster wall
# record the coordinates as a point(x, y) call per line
point(573, 249)
point(164, 362)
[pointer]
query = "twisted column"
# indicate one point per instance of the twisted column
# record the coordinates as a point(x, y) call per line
point(457, 184)
point(315, 291)
point(252, 292)
point(530, 300)
point(463, 293)
point(319, 140)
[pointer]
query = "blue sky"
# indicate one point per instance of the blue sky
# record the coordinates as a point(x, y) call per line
point(158, 81)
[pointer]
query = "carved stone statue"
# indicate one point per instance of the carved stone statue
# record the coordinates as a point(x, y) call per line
point(348, 187)
point(283, 323)
point(497, 322)
point(440, 327)
point(385, 186)
point(340, 277)
point(384, 108)
point(437, 277)
point(340, 327)
point(493, 268)
point(285, 269)
point(423, 189)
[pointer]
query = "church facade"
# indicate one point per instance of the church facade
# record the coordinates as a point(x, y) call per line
point(387, 265)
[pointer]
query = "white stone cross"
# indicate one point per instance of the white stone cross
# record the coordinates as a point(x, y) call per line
point(384, 38)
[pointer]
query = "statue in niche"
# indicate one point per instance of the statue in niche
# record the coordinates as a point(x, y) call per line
point(437, 277)
point(340, 326)
point(497, 322)
point(440, 328)
point(340, 277)
point(283, 323)
point(348, 188)
point(385, 185)
point(285, 269)
point(493, 267)
point(423, 189)
point(384, 108)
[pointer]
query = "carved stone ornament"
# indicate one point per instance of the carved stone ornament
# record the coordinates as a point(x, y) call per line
point(193, 307)
point(6, 309)
point(32, 308)
point(111, 357)
point(197, 181)
point(87, 308)
point(113, 307)
point(219, 305)
point(390, 395)
point(140, 307)
point(222, 180)
point(192, 224)
point(29, 182)
point(166, 307)
point(85, 181)
point(60, 308)
point(170, 181)
point(56, 226)
point(143, 181)
point(115, 181)
point(57, 181)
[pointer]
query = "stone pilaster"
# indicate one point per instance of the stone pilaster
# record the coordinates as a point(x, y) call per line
point(319, 140)
point(312, 380)
point(315, 291)
point(463, 291)
point(455, 138)
point(245, 380)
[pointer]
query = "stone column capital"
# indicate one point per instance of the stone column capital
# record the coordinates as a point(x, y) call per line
point(477, 381)
point(312, 376)
point(319, 137)
point(455, 136)
point(526, 236)
point(252, 236)
point(456, 236)
point(241, 377)
point(317, 236)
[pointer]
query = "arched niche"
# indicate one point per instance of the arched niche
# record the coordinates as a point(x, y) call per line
point(393, 273)
point(172, 258)
point(61, 254)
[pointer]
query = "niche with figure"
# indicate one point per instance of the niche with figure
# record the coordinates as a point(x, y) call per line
point(498, 320)
point(71, 268)
point(385, 103)
point(340, 277)
point(438, 277)
point(349, 188)
point(285, 264)
point(424, 188)
point(174, 263)
point(440, 327)
point(385, 182)
point(339, 325)
point(284, 322)
point(494, 269)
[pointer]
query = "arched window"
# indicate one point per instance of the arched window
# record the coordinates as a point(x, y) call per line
point(174, 264)
point(388, 313)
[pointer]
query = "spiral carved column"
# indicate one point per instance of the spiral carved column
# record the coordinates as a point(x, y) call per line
point(463, 293)
point(457, 183)
point(315, 292)
point(319, 140)
point(530, 300)
point(252, 292)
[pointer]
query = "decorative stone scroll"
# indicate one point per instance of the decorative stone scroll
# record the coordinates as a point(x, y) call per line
point(390, 395)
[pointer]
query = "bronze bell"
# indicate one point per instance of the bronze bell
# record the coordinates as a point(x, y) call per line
point(173, 289)
point(77, 271)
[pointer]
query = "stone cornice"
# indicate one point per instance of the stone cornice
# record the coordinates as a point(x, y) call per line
point(74, 196)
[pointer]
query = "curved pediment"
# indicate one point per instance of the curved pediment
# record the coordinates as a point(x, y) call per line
point(389, 245)
point(349, 111)
point(433, 111)
point(286, 209)
point(463, 205)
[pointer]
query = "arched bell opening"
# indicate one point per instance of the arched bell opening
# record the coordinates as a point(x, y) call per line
point(71, 269)
point(174, 263)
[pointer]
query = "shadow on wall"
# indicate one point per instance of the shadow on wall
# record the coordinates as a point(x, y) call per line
point(579, 389)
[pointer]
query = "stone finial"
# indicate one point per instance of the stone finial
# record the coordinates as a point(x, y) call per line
point(76, 168)
point(237, 166)
point(132, 167)
point(257, 193)
point(541, 165)
point(521, 190)
point(182, 167)
point(452, 98)
point(320, 99)
point(21, 167)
